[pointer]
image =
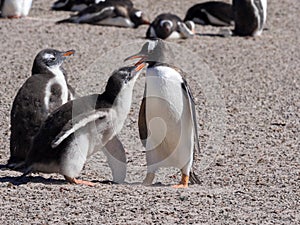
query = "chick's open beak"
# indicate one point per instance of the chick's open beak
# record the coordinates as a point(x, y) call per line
point(140, 66)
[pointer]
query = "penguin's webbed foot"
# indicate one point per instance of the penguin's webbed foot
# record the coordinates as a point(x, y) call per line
point(14, 17)
point(184, 183)
point(76, 181)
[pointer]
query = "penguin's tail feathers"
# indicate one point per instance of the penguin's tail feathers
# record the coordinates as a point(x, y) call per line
point(194, 179)
point(64, 21)
point(23, 167)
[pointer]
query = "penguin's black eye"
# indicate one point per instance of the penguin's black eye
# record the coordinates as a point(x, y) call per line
point(49, 57)
point(52, 58)
point(126, 80)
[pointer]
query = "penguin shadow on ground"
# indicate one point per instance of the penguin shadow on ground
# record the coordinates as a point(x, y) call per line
point(224, 33)
point(157, 184)
point(18, 180)
point(30, 179)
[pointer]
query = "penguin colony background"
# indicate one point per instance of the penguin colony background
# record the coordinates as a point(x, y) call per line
point(59, 140)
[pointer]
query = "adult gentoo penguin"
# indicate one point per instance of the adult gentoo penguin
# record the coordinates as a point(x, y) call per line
point(15, 8)
point(111, 13)
point(211, 13)
point(249, 17)
point(72, 5)
point(43, 92)
point(168, 25)
point(69, 134)
point(167, 117)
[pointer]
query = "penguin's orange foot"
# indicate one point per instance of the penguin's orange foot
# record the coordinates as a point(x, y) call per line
point(76, 181)
point(14, 17)
point(180, 186)
point(184, 183)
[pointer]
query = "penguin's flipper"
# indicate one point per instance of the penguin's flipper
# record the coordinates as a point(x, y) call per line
point(185, 31)
point(95, 17)
point(142, 124)
point(90, 15)
point(193, 111)
point(79, 122)
point(193, 176)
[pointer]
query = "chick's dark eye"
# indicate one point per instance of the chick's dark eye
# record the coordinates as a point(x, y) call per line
point(53, 58)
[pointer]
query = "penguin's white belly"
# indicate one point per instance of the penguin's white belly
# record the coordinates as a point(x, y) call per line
point(76, 153)
point(60, 80)
point(175, 35)
point(264, 5)
point(170, 139)
point(169, 121)
point(16, 8)
point(152, 32)
point(260, 19)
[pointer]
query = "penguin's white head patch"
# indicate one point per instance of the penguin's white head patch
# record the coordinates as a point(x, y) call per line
point(49, 56)
point(138, 14)
point(97, 1)
point(166, 22)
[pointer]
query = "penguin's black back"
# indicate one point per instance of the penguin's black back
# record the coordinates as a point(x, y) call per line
point(220, 10)
point(108, 3)
point(244, 18)
point(27, 114)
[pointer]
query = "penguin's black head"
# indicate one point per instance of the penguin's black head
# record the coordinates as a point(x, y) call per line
point(49, 59)
point(138, 18)
point(121, 79)
point(152, 52)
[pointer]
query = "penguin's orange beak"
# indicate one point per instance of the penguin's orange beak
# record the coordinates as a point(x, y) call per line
point(69, 53)
point(140, 66)
point(146, 21)
point(142, 58)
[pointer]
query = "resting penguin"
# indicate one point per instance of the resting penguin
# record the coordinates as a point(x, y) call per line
point(72, 5)
point(70, 133)
point(249, 17)
point(168, 25)
point(211, 13)
point(110, 13)
point(43, 92)
point(15, 8)
point(167, 117)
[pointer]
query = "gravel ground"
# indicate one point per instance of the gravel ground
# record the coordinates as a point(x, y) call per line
point(248, 102)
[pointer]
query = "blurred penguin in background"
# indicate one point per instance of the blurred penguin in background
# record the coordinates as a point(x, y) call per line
point(15, 8)
point(249, 17)
point(211, 13)
point(170, 26)
point(72, 5)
